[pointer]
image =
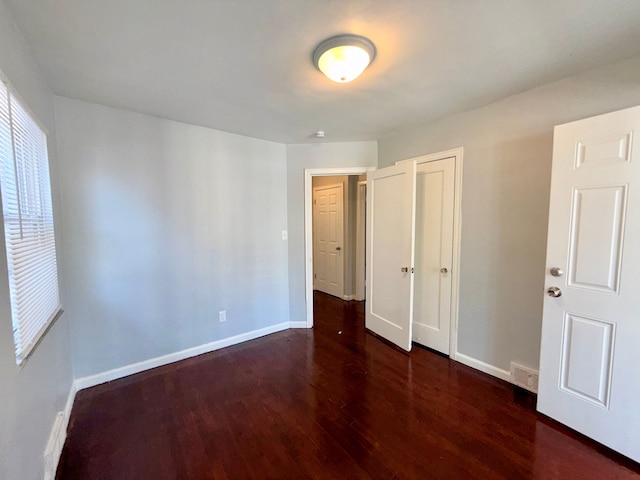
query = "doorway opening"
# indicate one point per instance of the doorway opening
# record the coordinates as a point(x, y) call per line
point(336, 221)
point(334, 233)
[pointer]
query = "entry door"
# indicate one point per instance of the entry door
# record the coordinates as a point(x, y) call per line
point(328, 240)
point(390, 247)
point(434, 253)
point(590, 354)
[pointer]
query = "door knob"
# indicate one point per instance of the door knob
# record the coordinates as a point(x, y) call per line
point(443, 270)
point(554, 292)
point(338, 248)
point(404, 269)
point(556, 271)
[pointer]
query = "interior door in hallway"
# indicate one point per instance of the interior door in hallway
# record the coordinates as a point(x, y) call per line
point(390, 247)
point(591, 327)
point(434, 253)
point(328, 240)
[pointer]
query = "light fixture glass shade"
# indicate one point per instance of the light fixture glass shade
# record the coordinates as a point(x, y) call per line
point(343, 64)
point(344, 57)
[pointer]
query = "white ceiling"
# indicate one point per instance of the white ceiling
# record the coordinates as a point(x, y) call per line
point(244, 66)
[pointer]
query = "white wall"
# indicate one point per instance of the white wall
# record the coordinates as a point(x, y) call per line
point(34, 392)
point(299, 158)
point(166, 224)
point(507, 160)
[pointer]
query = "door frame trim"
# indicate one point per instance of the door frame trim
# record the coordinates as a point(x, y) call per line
point(457, 154)
point(309, 173)
point(361, 214)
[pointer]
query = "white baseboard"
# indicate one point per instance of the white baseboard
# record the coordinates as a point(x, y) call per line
point(348, 297)
point(67, 410)
point(57, 437)
point(483, 367)
point(93, 380)
point(54, 447)
point(69, 405)
point(298, 325)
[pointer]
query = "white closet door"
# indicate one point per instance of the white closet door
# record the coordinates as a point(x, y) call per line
point(390, 252)
point(435, 185)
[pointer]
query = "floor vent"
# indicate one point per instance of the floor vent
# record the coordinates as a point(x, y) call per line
point(524, 377)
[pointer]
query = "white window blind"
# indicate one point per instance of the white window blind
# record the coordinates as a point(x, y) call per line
point(28, 223)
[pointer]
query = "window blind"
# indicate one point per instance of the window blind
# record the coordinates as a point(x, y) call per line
point(28, 224)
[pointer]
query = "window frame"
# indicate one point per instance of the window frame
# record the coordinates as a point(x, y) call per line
point(27, 339)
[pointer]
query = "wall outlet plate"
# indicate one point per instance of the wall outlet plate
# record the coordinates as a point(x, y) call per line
point(222, 316)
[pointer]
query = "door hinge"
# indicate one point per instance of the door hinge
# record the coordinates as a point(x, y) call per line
point(315, 276)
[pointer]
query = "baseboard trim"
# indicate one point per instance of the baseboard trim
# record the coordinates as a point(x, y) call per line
point(348, 297)
point(116, 373)
point(483, 367)
point(298, 325)
point(54, 447)
point(69, 407)
point(58, 436)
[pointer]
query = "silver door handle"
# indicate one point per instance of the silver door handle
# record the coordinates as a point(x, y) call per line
point(443, 270)
point(554, 292)
point(556, 271)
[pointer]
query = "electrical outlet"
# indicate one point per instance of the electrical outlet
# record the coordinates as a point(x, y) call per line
point(222, 316)
point(285, 234)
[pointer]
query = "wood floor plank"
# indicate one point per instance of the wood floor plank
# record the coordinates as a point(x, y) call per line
point(327, 403)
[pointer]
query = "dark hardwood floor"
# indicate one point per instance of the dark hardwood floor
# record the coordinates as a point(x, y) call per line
point(329, 403)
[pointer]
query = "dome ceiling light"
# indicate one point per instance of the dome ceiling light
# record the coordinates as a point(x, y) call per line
point(344, 57)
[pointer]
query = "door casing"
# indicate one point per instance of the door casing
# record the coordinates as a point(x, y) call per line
point(361, 213)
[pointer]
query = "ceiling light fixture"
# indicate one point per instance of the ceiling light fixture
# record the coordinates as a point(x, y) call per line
point(344, 57)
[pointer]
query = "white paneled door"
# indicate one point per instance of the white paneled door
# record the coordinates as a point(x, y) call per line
point(328, 240)
point(390, 252)
point(590, 353)
point(435, 182)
